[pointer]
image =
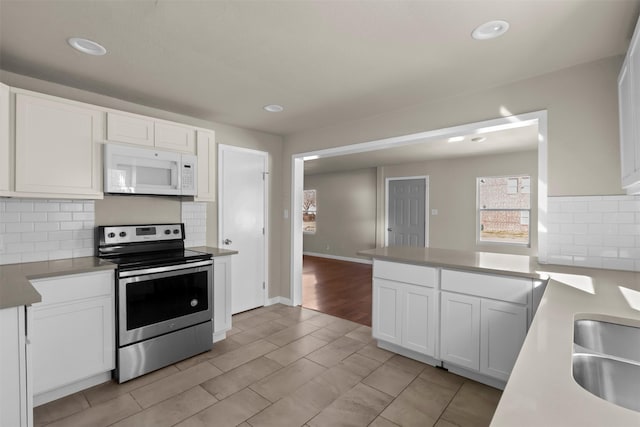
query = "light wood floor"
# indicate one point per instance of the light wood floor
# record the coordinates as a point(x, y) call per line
point(284, 366)
point(339, 288)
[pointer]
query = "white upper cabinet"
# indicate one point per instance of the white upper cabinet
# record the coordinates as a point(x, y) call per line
point(206, 152)
point(629, 110)
point(130, 128)
point(57, 153)
point(141, 130)
point(5, 149)
point(175, 137)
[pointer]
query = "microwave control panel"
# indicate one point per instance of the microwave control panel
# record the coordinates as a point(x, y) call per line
point(189, 164)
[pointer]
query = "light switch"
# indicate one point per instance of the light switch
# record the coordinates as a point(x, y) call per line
point(286, 213)
point(434, 211)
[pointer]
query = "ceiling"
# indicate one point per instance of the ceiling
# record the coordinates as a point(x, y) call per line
point(524, 138)
point(324, 61)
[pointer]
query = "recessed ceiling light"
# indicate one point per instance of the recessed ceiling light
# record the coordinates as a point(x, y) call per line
point(456, 139)
point(274, 108)
point(490, 30)
point(87, 46)
point(479, 139)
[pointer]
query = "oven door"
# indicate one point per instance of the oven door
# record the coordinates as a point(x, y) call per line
point(160, 300)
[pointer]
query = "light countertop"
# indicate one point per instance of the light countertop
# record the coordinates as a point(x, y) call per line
point(541, 390)
point(15, 288)
point(486, 262)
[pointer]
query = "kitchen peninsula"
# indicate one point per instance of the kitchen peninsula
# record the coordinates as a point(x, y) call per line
point(540, 387)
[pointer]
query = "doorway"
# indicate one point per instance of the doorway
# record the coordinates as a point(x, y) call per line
point(407, 201)
point(537, 118)
point(242, 222)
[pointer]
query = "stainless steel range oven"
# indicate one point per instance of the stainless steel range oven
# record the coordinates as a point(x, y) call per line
point(164, 296)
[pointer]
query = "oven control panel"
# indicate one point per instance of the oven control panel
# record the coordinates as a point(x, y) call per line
point(142, 233)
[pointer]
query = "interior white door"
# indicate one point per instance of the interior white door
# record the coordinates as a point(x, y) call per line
point(406, 206)
point(242, 222)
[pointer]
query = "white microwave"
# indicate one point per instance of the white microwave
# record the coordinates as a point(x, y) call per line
point(132, 170)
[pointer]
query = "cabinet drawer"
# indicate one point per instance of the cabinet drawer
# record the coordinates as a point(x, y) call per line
point(511, 289)
point(64, 289)
point(407, 273)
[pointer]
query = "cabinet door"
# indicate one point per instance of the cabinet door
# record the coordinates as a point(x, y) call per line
point(627, 128)
point(72, 342)
point(56, 152)
point(130, 129)
point(221, 296)
point(419, 322)
point(175, 137)
point(15, 405)
point(634, 93)
point(460, 330)
point(387, 311)
point(206, 152)
point(5, 153)
point(503, 328)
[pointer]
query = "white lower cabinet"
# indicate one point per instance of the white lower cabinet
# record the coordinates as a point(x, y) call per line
point(483, 332)
point(16, 404)
point(503, 327)
point(221, 297)
point(460, 330)
point(387, 310)
point(405, 312)
point(73, 334)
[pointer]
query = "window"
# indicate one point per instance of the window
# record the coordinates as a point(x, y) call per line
point(309, 211)
point(504, 208)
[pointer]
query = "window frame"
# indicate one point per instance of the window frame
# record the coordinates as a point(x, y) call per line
point(316, 211)
point(480, 242)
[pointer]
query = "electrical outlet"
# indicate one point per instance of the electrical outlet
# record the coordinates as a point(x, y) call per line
point(328, 248)
point(434, 211)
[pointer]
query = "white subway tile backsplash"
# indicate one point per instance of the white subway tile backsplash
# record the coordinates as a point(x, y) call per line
point(59, 216)
point(19, 227)
point(618, 264)
point(194, 216)
point(40, 230)
point(587, 218)
point(46, 207)
point(33, 237)
point(603, 206)
point(71, 207)
point(10, 217)
point(33, 216)
point(71, 225)
point(604, 235)
point(46, 226)
point(48, 246)
point(61, 235)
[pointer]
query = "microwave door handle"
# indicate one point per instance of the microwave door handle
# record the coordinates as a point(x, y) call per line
point(175, 175)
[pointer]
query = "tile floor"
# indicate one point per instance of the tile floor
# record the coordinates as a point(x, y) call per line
point(284, 366)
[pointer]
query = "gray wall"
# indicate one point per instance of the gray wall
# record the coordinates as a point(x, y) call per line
point(346, 220)
point(452, 191)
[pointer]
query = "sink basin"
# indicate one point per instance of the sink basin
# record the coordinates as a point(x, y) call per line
point(612, 380)
point(607, 338)
point(606, 361)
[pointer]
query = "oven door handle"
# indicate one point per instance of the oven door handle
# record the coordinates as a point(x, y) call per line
point(164, 269)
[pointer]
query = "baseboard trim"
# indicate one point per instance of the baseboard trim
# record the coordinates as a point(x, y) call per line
point(339, 258)
point(46, 397)
point(279, 300)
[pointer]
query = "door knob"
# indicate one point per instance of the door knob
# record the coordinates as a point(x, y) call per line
point(227, 242)
point(388, 229)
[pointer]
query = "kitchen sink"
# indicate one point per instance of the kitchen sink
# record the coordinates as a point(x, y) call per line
point(610, 379)
point(608, 338)
point(606, 361)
